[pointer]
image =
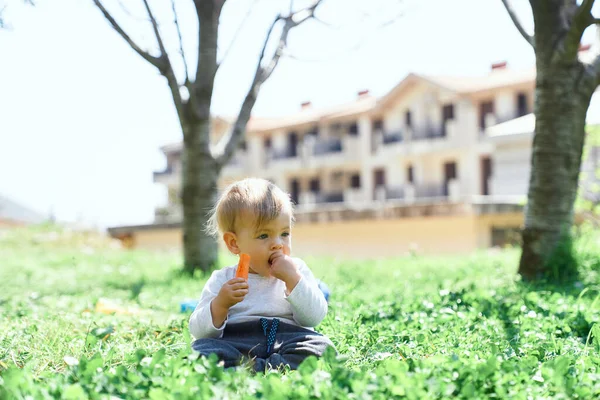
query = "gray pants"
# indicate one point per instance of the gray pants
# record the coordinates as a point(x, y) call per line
point(263, 346)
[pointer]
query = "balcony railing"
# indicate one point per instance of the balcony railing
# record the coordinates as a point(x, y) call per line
point(432, 190)
point(327, 146)
point(279, 154)
point(329, 197)
point(383, 193)
point(310, 199)
point(390, 138)
point(394, 193)
point(428, 133)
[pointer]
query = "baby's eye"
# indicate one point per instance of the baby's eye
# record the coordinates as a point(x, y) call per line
point(285, 234)
point(263, 236)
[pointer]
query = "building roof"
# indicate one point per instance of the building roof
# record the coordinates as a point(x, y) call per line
point(474, 84)
point(13, 211)
point(460, 85)
point(517, 126)
point(310, 115)
point(464, 85)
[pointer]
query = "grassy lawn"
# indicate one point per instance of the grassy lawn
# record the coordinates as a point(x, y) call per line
point(411, 327)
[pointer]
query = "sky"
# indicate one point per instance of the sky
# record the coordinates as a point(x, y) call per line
point(82, 116)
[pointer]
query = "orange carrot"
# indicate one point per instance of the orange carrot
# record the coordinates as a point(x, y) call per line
point(243, 266)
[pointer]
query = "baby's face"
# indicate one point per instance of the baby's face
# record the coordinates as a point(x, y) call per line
point(261, 244)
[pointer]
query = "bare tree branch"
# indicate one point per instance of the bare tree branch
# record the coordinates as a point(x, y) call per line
point(167, 69)
point(586, 6)
point(515, 19)
point(3, 23)
point(237, 32)
point(582, 18)
point(181, 51)
point(337, 55)
point(161, 45)
point(129, 13)
point(158, 62)
point(229, 143)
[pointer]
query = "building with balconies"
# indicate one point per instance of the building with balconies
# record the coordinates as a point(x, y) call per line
point(438, 164)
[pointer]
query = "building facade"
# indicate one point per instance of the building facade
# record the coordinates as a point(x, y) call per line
point(438, 164)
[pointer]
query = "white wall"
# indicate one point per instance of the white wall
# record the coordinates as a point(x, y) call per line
point(505, 105)
point(511, 166)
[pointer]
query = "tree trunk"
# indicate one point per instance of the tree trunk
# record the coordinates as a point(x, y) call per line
point(199, 181)
point(563, 93)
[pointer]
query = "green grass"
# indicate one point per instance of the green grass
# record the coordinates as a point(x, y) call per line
point(412, 327)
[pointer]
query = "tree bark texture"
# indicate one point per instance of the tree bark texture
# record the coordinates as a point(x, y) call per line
point(564, 86)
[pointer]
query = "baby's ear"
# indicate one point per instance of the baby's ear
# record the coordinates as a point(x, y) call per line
point(230, 240)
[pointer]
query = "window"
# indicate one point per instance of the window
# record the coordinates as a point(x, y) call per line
point(448, 112)
point(485, 108)
point(521, 104)
point(292, 148)
point(295, 190)
point(447, 115)
point(449, 174)
point(315, 185)
point(267, 143)
point(408, 119)
point(378, 125)
point(486, 173)
point(355, 181)
point(353, 129)
point(379, 177)
point(410, 177)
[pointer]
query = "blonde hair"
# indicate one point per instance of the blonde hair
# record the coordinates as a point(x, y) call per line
point(255, 198)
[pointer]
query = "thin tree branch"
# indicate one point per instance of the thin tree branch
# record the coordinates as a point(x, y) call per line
point(167, 70)
point(2, 24)
point(161, 45)
point(237, 32)
point(586, 6)
point(515, 19)
point(582, 18)
point(181, 51)
point(229, 143)
point(338, 55)
point(158, 62)
point(129, 13)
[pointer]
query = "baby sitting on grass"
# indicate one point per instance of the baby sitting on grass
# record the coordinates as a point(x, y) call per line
point(268, 319)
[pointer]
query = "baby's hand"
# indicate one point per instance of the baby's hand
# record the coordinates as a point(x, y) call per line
point(232, 292)
point(284, 268)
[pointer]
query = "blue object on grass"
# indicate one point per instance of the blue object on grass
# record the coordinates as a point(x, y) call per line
point(325, 290)
point(190, 305)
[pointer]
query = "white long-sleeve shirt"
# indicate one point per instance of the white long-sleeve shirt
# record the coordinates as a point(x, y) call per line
point(305, 306)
